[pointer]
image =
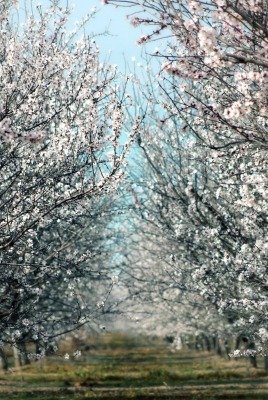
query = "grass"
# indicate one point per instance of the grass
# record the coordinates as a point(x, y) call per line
point(122, 367)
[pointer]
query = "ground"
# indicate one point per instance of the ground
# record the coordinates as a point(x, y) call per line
point(123, 367)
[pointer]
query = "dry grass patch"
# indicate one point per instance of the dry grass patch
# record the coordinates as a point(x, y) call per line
point(129, 368)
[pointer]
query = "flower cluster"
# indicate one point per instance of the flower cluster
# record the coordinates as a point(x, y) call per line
point(207, 39)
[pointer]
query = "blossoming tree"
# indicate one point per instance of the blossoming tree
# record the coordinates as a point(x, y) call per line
point(61, 156)
point(207, 151)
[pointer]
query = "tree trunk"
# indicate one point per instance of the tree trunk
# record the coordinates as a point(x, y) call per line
point(266, 362)
point(253, 358)
point(25, 360)
point(3, 360)
point(227, 347)
point(217, 346)
point(237, 342)
point(207, 342)
point(16, 356)
point(197, 343)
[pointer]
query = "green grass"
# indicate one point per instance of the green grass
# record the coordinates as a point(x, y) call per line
point(119, 367)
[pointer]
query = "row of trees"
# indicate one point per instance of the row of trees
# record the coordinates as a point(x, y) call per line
point(198, 249)
point(61, 158)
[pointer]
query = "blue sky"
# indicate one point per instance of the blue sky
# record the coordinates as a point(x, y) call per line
point(121, 43)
